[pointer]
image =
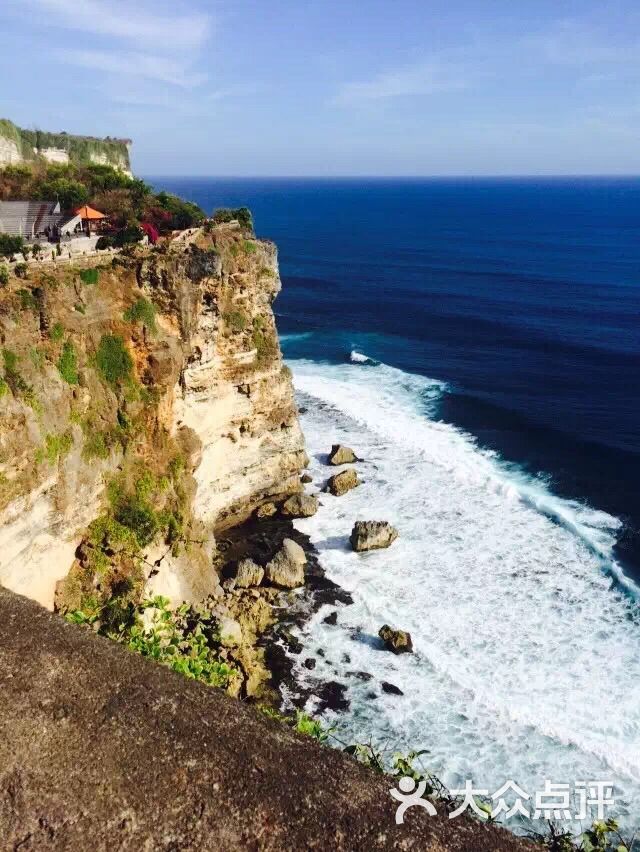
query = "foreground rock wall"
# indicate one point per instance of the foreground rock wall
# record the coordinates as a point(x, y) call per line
point(102, 749)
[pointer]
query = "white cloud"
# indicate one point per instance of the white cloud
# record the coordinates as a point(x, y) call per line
point(132, 64)
point(142, 23)
point(424, 78)
point(571, 42)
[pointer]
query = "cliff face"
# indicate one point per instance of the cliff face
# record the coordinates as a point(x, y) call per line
point(144, 406)
point(18, 146)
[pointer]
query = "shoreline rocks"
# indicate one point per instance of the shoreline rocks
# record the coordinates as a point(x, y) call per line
point(372, 535)
point(300, 506)
point(396, 641)
point(341, 455)
point(340, 483)
point(286, 569)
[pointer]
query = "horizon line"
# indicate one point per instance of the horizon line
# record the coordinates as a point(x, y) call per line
point(524, 176)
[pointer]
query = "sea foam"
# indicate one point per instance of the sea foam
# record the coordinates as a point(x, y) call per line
point(526, 663)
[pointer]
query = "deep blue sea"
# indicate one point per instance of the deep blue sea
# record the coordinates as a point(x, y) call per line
point(478, 342)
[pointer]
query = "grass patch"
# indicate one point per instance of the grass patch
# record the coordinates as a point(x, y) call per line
point(55, 446)
point(57, 333)
point(249, 247)
point(113, 359)
point(236, 320)
point(28, 301)
point(68, 364)
point(90, 276)
point(142, 311)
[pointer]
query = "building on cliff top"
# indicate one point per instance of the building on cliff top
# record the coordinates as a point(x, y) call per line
point(30, 219)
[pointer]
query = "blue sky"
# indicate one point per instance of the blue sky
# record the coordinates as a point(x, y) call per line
point(339, 87)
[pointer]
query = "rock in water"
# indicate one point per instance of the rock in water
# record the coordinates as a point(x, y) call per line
point(300, 506)
point(248, 573)
point(286, 569)
point(398, 641)
point(305, 479)
point(342, 482)
point(341, 455)
point(372, 535)
point(266, 510)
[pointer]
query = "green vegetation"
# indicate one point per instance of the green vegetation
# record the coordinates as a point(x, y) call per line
point(28, 301)
point(175, 639)
point(68, 363)
point(142, 311)
point(13, 378)
point(4, 276)
point(236, 320)
point(90, 276)
point(56, 333)
point(113, 359)
point(21, 270)
point(56, 446)
point(264, 344)
point(239, 214)
point(127, 201)
point(249, 247)
point(80, 149)
point(10, 245)
point(4, 388)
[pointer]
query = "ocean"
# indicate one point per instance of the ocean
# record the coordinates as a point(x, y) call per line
point(477, 342)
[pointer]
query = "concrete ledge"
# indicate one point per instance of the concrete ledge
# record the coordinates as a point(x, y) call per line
point(103, 750)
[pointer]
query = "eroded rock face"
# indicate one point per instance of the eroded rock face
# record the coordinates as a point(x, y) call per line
point(214, 396)
point(300, 506)
point(286, 569)
point(248, 573)
point(341, 455)
point(398, 641)
point(342, 482)
point(372, 535)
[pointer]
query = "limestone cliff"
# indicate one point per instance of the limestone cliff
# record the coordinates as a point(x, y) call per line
point(143, 407)
point(18, 145)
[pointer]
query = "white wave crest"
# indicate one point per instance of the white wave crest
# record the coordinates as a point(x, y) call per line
point(526, 663)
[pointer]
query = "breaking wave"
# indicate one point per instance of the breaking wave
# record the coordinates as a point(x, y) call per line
point(526, 663)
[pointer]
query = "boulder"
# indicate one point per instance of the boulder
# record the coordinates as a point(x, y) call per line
point(372, 535)
point(300, 506)
point(341, 455)
point(230, 632)
point(248, 573)
point(398, 641)
point(286, 569)
point(391, 688)
point(305, 479)
point(342, 482)
point(267, 510)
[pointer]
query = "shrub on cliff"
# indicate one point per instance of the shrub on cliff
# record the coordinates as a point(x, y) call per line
point(142, 311)
point(113, 359)
point(11, 245)
point(4, 276)
point(127, 236)
point(228, 214)
point(68, 364)
point(89, 276)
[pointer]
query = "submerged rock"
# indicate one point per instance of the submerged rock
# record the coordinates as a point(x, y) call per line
point(300, 506)
point(340, 483)
point(286, 569)
point(391, 688)
point(305, 479)
point(372, 535)
point(332, 618)
point(398, 641)
point(248, 573)
point(341, 455)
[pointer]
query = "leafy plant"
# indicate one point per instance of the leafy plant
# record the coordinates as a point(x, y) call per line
point(57, 332)
point(11, 245)
point(90, 276)
point(113, 359)
point(68, 363)
point(142, 311)
point(168, 637)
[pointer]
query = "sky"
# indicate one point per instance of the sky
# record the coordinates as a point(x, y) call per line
point(334, 87)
